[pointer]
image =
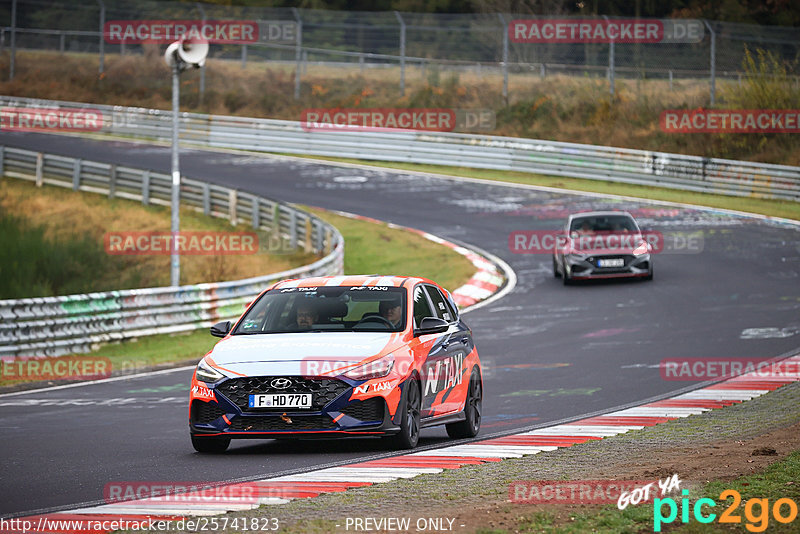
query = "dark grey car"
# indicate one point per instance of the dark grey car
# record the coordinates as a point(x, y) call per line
point(602, 244)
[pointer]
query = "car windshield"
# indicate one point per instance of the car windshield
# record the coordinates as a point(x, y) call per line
point(603, 223)
point(326, 309)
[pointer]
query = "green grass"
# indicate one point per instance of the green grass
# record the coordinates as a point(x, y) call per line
point(779, 480)
point(377, 249)
point(774, 208)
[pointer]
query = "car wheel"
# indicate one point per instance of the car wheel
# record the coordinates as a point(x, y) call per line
point(469, 427)
point(565, 277)
point(556, 274)
point(650, 275)
point(410, 424)
point(210, 445)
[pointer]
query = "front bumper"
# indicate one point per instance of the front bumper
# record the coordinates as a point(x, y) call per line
point(589, 267)
point(333, 412)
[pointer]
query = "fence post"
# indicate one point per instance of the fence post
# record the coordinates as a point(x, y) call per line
point(76, 174)
point(670, 79)
point(611, 54)
point(542, 70)
point(2, 160)
point(244, 55)
point(146, 188)
point(203, 68)
point(402, 53)
point(504, 27)
point(713, 89)
point(297, 52)
point(102, 36)
point(39, 169)
point(13, 39)
point(61, 43)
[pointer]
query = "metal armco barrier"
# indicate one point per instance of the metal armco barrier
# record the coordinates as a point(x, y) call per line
point(51, 326)
point(691, 173)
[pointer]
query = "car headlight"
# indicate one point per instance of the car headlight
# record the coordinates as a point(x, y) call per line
point(206, 373)
point(642, 249)
point(374, 369)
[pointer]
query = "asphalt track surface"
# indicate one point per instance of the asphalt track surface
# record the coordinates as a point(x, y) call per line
point(551, 352)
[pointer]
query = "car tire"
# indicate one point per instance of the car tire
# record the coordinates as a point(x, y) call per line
point(210, 445)
point(556, 274)
point(650, 275)
point(565, 277)
point(408, 437)
point(469, 427)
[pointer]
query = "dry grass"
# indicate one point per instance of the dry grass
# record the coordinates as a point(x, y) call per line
point(557, 107)
point(65, 215)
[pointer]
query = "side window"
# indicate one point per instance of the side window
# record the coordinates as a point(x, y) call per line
point(439, 306)
point(421, 307)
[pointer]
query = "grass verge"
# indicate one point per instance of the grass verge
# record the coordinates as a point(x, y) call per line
point(369, 248)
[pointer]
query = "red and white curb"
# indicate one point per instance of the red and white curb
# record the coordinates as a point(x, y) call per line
point(284, 489)
point(491, 274)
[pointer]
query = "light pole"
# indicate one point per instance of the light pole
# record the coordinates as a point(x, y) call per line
point(180, 55)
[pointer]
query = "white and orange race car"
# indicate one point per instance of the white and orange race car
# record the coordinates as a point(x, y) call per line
point(339, 356)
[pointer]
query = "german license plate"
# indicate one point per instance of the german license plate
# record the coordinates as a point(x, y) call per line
point(611, 262)
point(281, 400)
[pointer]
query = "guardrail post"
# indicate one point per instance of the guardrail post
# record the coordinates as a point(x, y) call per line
point(319, 237)
point(76, 174)
point(293, 229)
point(232, 198)
point(328, 241)
point(297, 52)
point(146, 188)
point(402, 53)
point(256, 213)
point(112, 181)
point(307, 241)
point(39, 169)
point(206, 199)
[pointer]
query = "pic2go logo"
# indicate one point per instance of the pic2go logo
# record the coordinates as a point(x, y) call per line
point(757, 520)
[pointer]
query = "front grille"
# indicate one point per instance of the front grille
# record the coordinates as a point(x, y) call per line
point(204, 413)
point(269, 423)
point(626, 257)
point(368, 410)
point(323, 390)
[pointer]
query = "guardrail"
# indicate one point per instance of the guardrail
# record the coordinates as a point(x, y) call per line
point(51, 326)
point(676, 171)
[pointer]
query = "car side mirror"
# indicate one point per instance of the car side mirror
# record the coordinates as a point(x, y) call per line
point(221, 329)
point(431, 325)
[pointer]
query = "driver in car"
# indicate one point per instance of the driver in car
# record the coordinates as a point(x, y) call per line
point(391, 311)
point(306, 316)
